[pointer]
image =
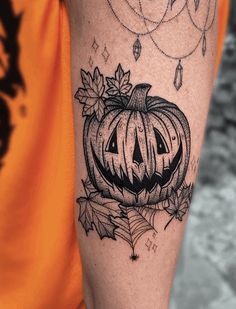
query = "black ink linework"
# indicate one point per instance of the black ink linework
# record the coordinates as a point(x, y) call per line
point(10, 76)
point(151, 245)
point(163, 20)
point(137, 151)
point(95, 211)
point(105, 54)
point(132, 225)
point(179, 203)
point(137, 49)
point(148, 244)
point(178, 79)
point(149, 31)
point(95, 45)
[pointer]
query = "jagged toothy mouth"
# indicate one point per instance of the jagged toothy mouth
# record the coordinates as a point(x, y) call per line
point(137, 185)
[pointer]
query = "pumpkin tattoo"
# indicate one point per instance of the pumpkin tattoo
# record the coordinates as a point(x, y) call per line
point(137, 151)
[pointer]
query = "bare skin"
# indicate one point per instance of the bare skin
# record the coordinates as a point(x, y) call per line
point(164, 145)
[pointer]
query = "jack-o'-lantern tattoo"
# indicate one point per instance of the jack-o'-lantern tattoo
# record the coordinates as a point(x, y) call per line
point(137, 152)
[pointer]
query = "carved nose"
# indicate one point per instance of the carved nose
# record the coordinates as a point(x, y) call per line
point(137, 156)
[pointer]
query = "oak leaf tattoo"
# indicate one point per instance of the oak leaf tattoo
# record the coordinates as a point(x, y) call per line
point(92, 93)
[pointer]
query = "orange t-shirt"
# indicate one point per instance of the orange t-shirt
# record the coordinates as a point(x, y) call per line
point(39, 258)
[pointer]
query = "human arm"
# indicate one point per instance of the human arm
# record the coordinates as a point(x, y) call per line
point(137, 151)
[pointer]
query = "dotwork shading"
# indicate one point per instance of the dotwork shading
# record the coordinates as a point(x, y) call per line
point(137, 152)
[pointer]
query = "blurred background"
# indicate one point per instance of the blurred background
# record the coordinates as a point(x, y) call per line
point(206, 274)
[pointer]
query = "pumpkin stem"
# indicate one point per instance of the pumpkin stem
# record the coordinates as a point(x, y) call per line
point(138, 97)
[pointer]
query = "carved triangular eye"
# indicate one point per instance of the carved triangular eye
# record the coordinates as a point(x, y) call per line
point(137, 156)
point(161, 144)
point(112, 143)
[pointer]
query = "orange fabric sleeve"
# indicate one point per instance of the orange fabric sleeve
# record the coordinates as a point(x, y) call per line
point(39, 259)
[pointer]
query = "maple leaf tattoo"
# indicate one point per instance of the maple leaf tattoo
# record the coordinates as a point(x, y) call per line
point(179, 203)
point(119, 85)
point(92, 93)
point(96, 211)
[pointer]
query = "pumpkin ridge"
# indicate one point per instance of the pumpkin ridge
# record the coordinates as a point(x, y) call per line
point(145, 134)
point(127, 127)
point(114, 118)
point(163, 124)
point(182, 120)
point(162, 103)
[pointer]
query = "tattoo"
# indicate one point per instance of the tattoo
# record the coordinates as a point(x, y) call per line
point(105, 54)
point(150, 27)
point(95, 47)
point(150, 244)
point(10, 76)
point(137, 151)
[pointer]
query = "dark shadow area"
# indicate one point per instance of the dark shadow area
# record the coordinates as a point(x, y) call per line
point(10, 76)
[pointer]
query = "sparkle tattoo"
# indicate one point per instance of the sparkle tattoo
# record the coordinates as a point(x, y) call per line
point(137, 152)
point(104, 54)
